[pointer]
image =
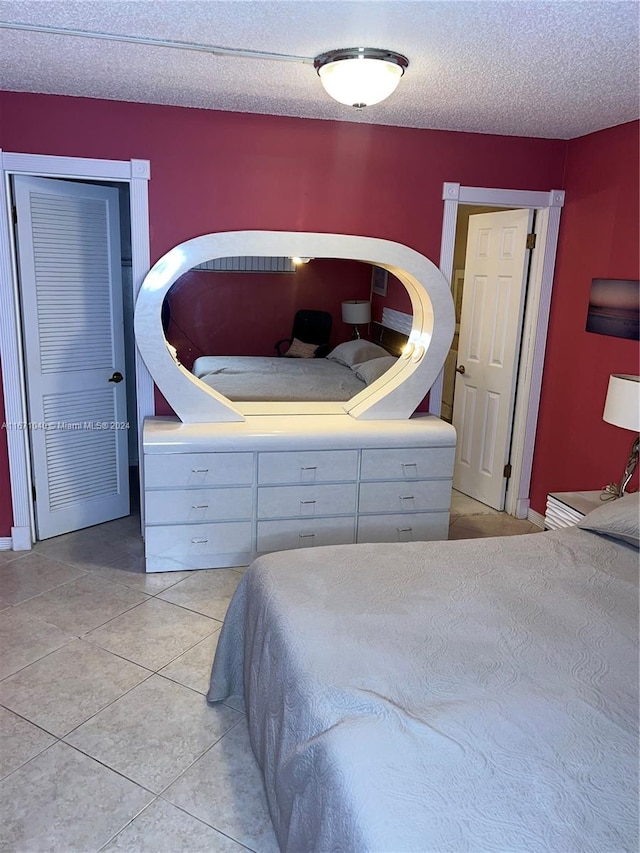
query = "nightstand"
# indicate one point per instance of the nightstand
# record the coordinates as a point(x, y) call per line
point(565, 509)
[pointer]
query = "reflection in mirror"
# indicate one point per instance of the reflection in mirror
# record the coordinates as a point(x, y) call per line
point(269, 329)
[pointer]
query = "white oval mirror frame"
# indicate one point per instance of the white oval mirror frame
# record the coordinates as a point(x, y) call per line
point(395, 396)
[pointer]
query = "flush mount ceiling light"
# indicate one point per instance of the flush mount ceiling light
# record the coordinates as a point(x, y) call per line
point(360, 76)
point(355, 76)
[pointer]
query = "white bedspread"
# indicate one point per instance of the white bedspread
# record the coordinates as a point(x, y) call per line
point(256, 378)
point(446, 696)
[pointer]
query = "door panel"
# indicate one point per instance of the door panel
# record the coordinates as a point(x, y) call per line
point(68, 238)
point(496, 268)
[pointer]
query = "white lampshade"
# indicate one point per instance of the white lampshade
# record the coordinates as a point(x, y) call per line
point(359, 77)
point(356, 311)
point(622, 406)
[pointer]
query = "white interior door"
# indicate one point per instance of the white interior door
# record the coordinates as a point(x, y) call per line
point(68, 237)
point(496, 268)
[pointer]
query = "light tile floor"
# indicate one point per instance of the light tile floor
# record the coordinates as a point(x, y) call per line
point(470, 519)
point(107, 742)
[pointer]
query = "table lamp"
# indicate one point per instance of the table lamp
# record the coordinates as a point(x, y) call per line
point(622, 408)
point(356, 312)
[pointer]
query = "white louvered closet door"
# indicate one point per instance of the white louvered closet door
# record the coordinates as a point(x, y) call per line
point(71, 296)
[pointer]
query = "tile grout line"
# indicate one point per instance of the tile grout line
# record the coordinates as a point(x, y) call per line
point(202, 754)
point(161, 795)
point(128, 823)
point(35, 725)
point(134, 781)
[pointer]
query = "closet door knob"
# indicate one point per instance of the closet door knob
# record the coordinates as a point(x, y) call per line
point(460, 369)
point(117, 377)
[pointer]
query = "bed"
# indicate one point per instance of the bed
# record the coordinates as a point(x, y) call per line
point(445, 696)
point(346, 371)
point(288, 379)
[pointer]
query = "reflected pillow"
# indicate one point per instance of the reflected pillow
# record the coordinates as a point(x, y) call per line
point(371, 370)
point(299, 349)
point(619, 519)
point(355, 352)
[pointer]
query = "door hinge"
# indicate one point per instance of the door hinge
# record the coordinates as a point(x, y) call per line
point(531, 241)
point(14, 214)
point(507, 471)
point(33, 493)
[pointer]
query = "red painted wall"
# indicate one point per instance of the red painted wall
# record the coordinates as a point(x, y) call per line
point(213, 171)
point(219, 313)
point(575, 448)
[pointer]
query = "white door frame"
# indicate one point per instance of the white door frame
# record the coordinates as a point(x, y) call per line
point(134, 172)
point(548, 206)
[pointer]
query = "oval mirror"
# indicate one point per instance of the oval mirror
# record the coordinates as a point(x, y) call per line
point(269, 330)
point(218, 315)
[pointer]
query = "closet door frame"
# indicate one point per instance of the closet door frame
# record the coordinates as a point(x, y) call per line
point(134, 172)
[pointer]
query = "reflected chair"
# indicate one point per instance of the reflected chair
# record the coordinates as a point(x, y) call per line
point(310, 327)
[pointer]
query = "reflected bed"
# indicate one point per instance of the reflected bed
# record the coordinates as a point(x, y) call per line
point(346, 371)
point(444, 696)
point(255, 378)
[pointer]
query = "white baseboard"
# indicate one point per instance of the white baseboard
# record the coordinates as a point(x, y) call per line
point(535, 518)
point(21, 539)
point(6, 543)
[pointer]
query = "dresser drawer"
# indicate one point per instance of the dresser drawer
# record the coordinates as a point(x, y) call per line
point(304, 533)
point(197, 469)
point(312, 466)
point(175, 506)
point(411, 463)
point(305, 501)
point(403, 528)
point(175, 547)
point(395, 496)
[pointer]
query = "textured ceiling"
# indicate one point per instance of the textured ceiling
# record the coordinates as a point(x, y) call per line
point(532, 68)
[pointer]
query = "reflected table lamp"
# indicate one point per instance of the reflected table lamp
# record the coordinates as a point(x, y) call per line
point(622, 408)
point(356, 312)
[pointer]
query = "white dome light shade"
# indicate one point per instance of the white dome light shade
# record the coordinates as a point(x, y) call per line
point(360, 76)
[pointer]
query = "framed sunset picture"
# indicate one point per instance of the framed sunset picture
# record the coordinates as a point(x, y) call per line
point(614, 308)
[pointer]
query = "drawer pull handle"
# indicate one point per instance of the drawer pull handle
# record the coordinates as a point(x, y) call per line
point(199, 541)
point(306, 535)
point(410, 470)
point(404, 529)
point(407, 498)
point(199, 506)
point(307, 502)
point(308, 467)
point(199, 470)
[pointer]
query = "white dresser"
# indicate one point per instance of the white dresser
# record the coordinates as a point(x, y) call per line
point(220, 494)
